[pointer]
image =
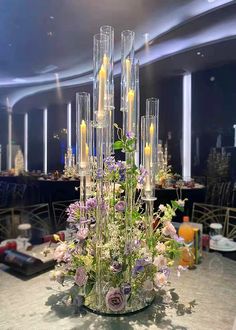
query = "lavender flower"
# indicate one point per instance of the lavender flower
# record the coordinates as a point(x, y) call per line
point(99, 173)
point(120, 206)
point(91, 203)
point(139, 266)
point(126, 289)
point(129, 135)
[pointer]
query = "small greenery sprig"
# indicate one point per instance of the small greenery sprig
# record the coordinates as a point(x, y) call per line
point(126, 142)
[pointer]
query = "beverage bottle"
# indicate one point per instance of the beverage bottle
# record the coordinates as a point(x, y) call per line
point(187, 233)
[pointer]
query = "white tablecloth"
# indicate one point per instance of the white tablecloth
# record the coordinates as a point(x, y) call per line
point(30, 304)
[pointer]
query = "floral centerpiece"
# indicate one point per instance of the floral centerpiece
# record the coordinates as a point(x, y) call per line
point(132, 269)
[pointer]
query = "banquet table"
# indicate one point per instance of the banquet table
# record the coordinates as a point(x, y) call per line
point(34, 303)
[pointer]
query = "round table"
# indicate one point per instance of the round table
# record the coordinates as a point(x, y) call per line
point(31, 303)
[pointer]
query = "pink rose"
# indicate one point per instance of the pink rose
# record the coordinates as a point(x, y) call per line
point(169, 229)
point(160, 262)
point(115, 300)
point(161, 248)
point(60, 252)
point(160, 280)
point(81, 276)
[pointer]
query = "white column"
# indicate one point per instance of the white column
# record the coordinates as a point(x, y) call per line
point(187, 105)
point(69, 125)
point(26, 141)
point(234, 135)
point(45, 140)
point(9, 155)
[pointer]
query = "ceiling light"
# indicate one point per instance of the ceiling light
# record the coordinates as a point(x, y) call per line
point(198, 53)
point(9, 44)
point(50, 34)
point(202, 55)
point(51, 17)
point(212, 78)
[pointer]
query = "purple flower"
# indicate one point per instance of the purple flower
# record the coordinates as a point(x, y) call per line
point(116, 267)
point(126, 289)
point(143, 173)
point(99, 173)
point(129, 135)
point(115, 300)
point(73, 212)
point(91, 203)
point(166, 271)
point(120, 165)
point(139, 266)
point(131, 246)
point(81, 276)
point(120, 206)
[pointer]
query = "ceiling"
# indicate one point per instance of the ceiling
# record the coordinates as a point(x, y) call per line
point(48, 39)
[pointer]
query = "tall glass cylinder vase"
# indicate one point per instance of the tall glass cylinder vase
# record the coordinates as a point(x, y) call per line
point(152, 109)
point(128, 83)
point(149, 153)
point(83, 132)
point(109, 131)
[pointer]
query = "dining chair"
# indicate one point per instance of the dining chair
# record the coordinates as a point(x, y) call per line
point(207, 214)
point(38, 216)
point(231, 223)
point(6, 230)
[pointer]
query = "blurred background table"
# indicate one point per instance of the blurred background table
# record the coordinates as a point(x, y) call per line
point(33, 303)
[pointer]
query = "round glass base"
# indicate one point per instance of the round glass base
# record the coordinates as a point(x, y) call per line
point(132, 307)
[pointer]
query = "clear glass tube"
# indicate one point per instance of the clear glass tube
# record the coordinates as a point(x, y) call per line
point(83, 132)
point(152, 109)
point(100, 81)
point(149, 153)
point(109, 130)
point(137, 153)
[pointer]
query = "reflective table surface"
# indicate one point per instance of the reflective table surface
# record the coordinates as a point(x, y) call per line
point(35, 303)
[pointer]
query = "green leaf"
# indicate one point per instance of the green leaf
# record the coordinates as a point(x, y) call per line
point(118, 145)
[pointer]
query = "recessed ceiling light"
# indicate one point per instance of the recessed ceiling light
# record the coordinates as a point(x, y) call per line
point(51, 17)
point(50, 34)
point(212, 78)
point(198, 53)
point(202, 55)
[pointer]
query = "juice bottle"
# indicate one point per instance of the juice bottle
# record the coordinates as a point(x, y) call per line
point(187, 233)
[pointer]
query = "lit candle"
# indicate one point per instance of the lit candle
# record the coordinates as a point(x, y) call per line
point(101, 95)
point(83, 144)
point(147, 161)
point(130, 109)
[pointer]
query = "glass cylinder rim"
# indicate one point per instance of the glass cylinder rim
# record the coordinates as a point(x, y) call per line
point(83, 94)
point(152, 99)
point(104, 27)
point(100, 37)
point(126, 33)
